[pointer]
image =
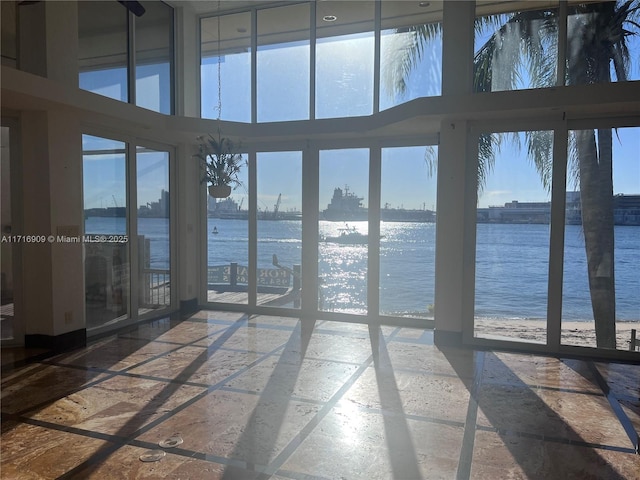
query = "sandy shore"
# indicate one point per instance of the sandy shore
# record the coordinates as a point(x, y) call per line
point(573, 333)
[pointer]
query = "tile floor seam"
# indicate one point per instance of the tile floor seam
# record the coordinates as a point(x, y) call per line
point(66, 394)
point(535, 386)
point(154, 423)
point(300, 476)
point(547, 438)
point(257, 393)
point(306, 430)
point(264, 472)
point(465, 460)
point(339, 362)
point(618, 411)
point(209, 389)
point(75, 430)
point(149, 340)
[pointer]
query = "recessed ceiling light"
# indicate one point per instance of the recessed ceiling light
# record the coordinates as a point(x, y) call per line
point(424, 4)
point(329, 18)
point(241, 30)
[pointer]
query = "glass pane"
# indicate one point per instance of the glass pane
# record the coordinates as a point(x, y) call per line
point(512, 237)
point(407, 30)
point(279, 228)
point(7, 325)
point(600, 304)
point(228, 244)
point(344, 59)
point(154, 266)
point(102, 43)
point(8, 42)
point(226, 54)
point(283, 63)
point(408, 229)
point(603, 44)
point(515, 50)
point(154, 40)
point(105, 213)
point(343, 248)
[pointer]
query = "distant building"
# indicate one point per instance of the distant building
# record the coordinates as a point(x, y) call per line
point(516, 212)
point(626, 211)
point(159, 209)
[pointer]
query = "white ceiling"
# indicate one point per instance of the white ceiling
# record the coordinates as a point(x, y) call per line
point(484, 7)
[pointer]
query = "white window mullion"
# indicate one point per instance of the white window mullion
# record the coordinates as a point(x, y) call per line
point(132, 227)
point(376, 57)
point(373, 267)
point(253, 229)
point(556, 241)
point(312, 62)
point(131, 50)
point(562, 43)
point(254, 65)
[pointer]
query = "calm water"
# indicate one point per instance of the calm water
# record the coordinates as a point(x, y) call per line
point(511, 264)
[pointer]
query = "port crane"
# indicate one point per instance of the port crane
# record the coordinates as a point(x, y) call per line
point(276, 207)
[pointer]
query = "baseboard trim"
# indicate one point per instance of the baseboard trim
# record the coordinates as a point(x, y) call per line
point(188, 306)
point(57, 343)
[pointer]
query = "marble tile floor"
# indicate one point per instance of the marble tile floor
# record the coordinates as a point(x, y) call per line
point(275, 398)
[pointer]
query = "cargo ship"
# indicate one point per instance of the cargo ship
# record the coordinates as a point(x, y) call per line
point(347, 206)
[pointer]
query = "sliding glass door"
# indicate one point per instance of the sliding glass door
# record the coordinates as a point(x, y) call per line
point(154, 232)
point(127, 250)
point(107, 253)
point(512, 237)
point(556, 240)
point(343, 246)
point(601, 279)
point(11, 323)
point(408, 232)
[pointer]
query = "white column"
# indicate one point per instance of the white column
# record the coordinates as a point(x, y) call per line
point(53, 272)
point(453, 191)
point(187, 77)
point(192, 248)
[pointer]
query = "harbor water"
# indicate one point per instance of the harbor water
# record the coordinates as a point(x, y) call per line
point(511, 264)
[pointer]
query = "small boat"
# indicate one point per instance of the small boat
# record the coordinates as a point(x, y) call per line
point(215, 230)
point(347, 236)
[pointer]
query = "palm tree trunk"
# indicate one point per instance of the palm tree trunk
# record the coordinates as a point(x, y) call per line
point(596, 196)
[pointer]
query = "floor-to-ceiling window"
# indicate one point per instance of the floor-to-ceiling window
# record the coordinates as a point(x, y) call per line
point(11, 323)
point(154, 233)
point(106, 229)
point(355, 72)
point(515, 50)
point(407, 29)
point(408, 231)
point(601, 281)
point(154, 58)
point(283, 61)
point(343, 243)
point(127, 231)
point(279, 228)
point(9, 46)
point(335, 67)
point(225, 67)
point(128, 64)
point(512, 235)
point(103, 64)
point(344, 59)
point(227, 233)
